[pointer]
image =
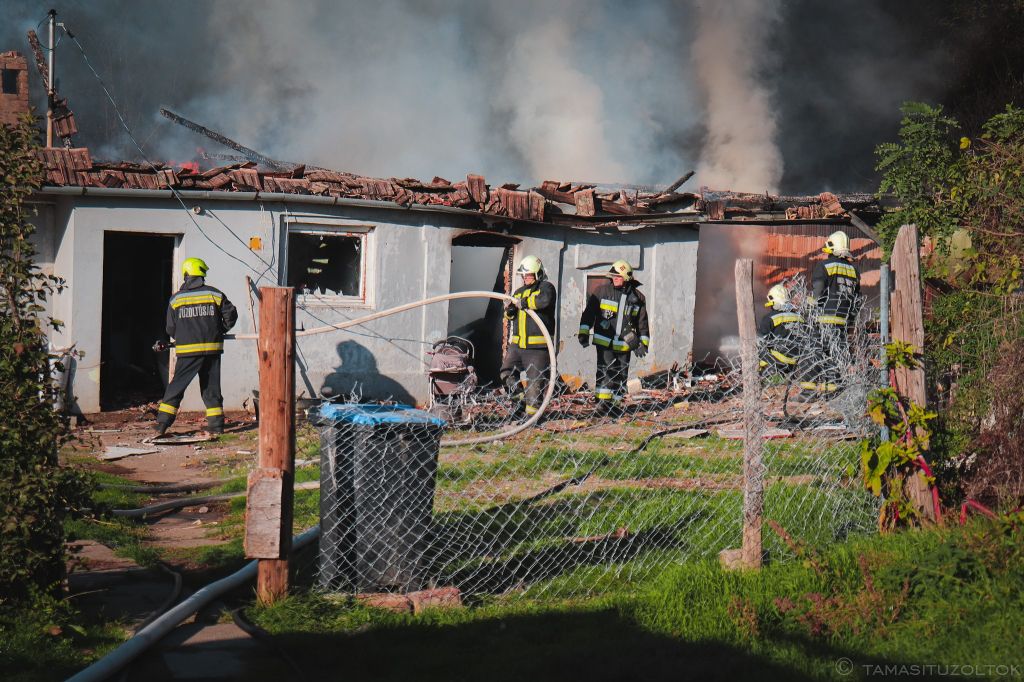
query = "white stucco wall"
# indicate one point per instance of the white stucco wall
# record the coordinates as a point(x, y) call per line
point(664, 261)
point(408, 258)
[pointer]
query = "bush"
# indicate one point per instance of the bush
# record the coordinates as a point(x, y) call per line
point(35, 492)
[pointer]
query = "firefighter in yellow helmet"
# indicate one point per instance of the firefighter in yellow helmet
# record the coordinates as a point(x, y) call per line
point(526, 348)
point(616, 318)
point(198, 316)
point(783, 331)
point(835, 285)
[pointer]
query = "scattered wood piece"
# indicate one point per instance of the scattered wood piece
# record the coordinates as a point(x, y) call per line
point(620, 533)
point(437, 598)
point(182, 439)
point(767, 434)
point(118, 452)
point(397, 603)
point(687, 434)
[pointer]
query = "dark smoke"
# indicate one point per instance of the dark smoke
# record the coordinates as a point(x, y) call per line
point(523, 91)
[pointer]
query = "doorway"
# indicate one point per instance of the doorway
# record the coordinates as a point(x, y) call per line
point(137, 284)
point(481, 262)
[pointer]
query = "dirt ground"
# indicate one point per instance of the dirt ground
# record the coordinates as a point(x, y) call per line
point(116, 588)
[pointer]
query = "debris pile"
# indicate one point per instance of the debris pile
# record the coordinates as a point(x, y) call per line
point(553, 201)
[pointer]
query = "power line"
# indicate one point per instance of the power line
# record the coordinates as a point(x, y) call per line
point(145, 158)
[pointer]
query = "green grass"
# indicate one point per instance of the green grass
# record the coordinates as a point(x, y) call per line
point(941, 597)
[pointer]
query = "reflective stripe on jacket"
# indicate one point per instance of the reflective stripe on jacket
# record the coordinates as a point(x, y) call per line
point(786, 334)
point(836, 283)
point(539, 297)
point(198, 316)
point(610, 314)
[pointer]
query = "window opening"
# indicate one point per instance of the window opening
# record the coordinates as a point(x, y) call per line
point(326, 263)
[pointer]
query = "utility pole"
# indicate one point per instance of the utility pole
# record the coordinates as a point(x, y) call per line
point(52, 89)
point(268, 513)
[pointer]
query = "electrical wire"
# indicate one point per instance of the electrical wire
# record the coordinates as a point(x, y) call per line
point(145, 158)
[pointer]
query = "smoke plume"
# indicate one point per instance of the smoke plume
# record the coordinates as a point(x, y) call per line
point(730, 56)
point(525, 91)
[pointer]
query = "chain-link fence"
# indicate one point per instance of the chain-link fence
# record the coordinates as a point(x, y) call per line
point(597, 492)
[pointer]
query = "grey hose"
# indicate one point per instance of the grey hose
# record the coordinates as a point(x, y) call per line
point(183, 502)
point(152, 633)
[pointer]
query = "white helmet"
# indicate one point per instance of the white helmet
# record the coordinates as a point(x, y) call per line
point(777, 295)
point(838, 244)
point(531, 265)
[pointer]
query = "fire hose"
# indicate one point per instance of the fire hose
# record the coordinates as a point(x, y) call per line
point(152, 633)
point(518, 428)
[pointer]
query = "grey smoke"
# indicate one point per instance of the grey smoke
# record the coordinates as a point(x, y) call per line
point(520, 91)
point(731, 56)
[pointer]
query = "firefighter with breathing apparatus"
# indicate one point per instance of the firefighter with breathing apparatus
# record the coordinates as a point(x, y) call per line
point(784, 333)
point(615, 317)
point(835, 285)
point(198, 316)
point(527, 350)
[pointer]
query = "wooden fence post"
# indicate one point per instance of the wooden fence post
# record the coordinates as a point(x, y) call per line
point(749, 555)
point(906, 311)
point(268, 515)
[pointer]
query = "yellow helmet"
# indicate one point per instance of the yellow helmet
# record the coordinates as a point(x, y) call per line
point(623, 269)
point(194, 267)
point(776, 295)
point(837, 244)
point(531, 265)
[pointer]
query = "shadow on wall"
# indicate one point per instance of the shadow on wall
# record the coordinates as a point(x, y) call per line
point(357, 378)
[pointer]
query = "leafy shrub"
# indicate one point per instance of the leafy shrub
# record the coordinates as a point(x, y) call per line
point(35, 492)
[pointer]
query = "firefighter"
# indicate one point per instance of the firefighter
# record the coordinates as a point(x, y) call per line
point(198, 316)
point(836, 293)
point(616, 317)
point(526, 348)
point(783, 331)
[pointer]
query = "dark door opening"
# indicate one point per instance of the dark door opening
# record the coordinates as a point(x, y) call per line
point(481, 262)
point(137, 281)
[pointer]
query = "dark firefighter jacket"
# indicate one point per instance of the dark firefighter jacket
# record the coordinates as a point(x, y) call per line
point(836, 284)
point(539, 297)
point(612, 313)
point(785, 334)
point(197, 318)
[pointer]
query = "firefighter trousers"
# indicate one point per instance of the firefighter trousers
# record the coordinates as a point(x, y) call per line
point(535, 362)
point(612, 372)
point(185, 370)
point(831, 359)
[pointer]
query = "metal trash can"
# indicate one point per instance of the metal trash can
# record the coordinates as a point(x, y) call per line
point(378, 466)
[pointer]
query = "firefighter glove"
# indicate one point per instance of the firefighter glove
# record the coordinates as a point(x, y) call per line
point(584, 340)
point(511, 310)
point(640, 350)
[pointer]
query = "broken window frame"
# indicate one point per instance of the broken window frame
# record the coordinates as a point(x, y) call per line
point(331, 228)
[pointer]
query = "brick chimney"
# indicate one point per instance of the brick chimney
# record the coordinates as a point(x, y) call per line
point(13, 87)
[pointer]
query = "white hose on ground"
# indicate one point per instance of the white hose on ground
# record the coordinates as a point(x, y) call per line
point(553, 372)
point(152, 633)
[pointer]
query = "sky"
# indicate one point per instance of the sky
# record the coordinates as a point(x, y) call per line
point(783, 96)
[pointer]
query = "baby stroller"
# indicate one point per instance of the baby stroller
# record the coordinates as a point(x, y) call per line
point(452, 378)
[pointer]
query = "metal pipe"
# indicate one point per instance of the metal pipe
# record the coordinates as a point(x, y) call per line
point(52, 91)
point(883, 323)
point(117, 659)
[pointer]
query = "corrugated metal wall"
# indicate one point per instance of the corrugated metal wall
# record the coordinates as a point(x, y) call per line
point(789, 250)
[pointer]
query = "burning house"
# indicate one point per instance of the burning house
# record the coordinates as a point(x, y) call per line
point(117, 233)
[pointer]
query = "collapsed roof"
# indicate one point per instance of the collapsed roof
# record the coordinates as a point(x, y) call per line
point(554, 202)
